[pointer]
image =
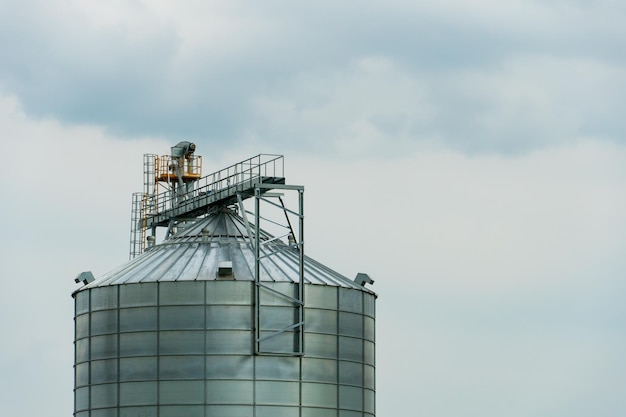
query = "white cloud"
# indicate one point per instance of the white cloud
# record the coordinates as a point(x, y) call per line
point(498, 277)
point(66, 209)
point(500, 217)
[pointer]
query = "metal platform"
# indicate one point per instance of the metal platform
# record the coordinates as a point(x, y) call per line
point(198, 202)
point(167, 201)
point(214, 190)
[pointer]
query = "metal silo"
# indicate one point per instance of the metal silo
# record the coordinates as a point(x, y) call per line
point(221, 318)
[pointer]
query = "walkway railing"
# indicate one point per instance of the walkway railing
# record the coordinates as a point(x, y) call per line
point(217, 188)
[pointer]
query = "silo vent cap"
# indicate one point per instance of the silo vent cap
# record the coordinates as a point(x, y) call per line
point(362, 279)
point(84, 277)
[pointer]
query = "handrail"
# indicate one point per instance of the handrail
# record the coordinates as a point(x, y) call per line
point(262, 165)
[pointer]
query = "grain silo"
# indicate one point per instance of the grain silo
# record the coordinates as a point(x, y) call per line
point(221, 318)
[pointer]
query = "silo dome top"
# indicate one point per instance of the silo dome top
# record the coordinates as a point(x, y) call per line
point(218, 247)
point(206, 239)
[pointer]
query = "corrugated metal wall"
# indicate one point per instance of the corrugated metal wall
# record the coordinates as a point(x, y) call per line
point(185, 349)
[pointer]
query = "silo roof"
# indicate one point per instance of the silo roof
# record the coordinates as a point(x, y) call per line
point(194, 254)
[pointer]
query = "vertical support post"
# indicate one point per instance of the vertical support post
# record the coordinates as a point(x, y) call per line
point(301, 273)
point(257, 272)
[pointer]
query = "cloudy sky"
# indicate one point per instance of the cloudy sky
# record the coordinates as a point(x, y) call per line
point(469, 156)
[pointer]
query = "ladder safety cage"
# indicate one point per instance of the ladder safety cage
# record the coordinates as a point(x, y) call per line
point(137, 224)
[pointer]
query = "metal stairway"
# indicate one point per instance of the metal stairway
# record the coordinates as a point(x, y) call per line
point(157, 208)
point(217, 189)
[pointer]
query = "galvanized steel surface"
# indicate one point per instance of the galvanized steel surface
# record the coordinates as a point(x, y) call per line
point(194, 253)
point(166, 336)
point(171, 349)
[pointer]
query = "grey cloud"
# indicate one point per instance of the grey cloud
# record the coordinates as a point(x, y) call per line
point(157, 80)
